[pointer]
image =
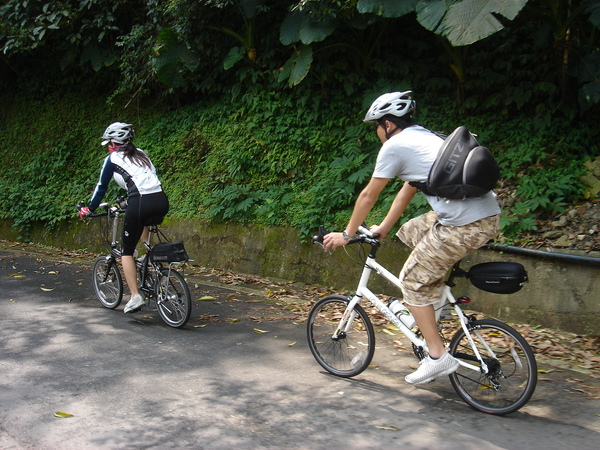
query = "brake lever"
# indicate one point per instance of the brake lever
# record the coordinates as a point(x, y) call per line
point(318, 239)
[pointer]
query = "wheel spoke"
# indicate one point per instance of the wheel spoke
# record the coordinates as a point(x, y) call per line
point(173, 300)
point(511, 368)
point(350, 352)
point(107, 281)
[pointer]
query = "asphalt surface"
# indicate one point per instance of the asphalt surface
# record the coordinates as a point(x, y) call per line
point(239, 375)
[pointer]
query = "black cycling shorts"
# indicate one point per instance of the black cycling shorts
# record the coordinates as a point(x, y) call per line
point(140, 211)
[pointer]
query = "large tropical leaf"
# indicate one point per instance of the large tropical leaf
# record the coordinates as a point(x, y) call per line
point(589, 77)
point(464, 22)
point(593, 7)
point(235, 55)
point(297, 26)
point(386, 8)
point(250, 7)
point(297, 67)
point(171, 57)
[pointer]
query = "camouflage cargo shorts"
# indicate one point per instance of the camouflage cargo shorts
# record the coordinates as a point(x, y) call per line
point(435, 249)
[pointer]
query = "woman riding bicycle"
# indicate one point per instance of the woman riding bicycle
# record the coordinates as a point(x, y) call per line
point(132, 170)
point(438, 239)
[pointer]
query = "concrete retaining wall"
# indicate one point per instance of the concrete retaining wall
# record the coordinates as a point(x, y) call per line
point(561, 295)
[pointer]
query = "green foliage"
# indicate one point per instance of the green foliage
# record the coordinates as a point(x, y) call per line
point(269, 158)
point(52, 158)
point(251, 109)
point(190, 50)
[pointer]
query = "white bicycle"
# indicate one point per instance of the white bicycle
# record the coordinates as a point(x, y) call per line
point(497, 372)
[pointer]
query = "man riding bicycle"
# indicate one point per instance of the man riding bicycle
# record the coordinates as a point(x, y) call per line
point(438, 239)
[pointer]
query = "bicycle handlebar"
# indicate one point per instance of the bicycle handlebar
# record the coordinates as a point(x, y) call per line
point(363, 235)
point(119, 207)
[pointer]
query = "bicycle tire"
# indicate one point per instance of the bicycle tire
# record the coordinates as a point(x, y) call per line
point(349, 354)
point(107, 281)
point(173, 298)
point(512, 376)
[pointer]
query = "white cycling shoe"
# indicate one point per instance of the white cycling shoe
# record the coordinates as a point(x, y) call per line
point(431, 368)
point(134, 304)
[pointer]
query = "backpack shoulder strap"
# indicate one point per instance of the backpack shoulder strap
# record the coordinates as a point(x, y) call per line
point(422, 185)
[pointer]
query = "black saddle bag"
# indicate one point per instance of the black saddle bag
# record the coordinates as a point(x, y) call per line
point(498, 277)
point(169, 252)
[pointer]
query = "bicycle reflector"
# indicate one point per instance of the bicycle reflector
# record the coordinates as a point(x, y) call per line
point(464, 300)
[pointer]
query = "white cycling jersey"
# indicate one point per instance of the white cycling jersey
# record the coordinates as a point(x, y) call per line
point(137, 180)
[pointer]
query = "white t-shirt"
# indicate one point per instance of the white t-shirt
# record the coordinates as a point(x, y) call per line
point(409, 156)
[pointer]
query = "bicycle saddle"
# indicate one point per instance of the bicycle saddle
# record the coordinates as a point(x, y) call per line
point(152, 220)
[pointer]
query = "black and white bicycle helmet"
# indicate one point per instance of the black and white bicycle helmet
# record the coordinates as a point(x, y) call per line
point(119, 133)
point(395, 103)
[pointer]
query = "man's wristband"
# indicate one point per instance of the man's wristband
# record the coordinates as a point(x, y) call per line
point(345, 235)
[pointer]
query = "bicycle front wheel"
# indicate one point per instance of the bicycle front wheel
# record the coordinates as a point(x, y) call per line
point(108, 283)
point(173, 299)
point(512, 370)
point(349, 353)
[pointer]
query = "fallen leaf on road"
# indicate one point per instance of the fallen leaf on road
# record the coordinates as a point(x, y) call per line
point(259, 331)
point(62, 415)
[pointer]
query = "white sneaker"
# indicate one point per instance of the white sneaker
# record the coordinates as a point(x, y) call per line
point(431, 368)
point(134, 304)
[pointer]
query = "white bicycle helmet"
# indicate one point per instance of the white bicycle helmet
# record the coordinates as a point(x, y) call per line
point(395, 103)
point(119, 133)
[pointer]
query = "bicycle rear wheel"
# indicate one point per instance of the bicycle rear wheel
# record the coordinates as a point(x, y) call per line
point(352, 351)
point(512, 370)
point(108, 283)
point(173, 300)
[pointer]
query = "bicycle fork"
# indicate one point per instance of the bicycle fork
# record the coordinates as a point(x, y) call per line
point(343, 326)
point(109, 263)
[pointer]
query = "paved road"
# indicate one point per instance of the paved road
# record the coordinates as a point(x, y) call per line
point(132, 382)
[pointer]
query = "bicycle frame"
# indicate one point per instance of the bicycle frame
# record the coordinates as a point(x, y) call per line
point(153, 229)
point(113, 213)
point(362, 291)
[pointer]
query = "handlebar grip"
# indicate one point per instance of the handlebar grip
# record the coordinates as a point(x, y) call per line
point(318, 239)
point(364, 229)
